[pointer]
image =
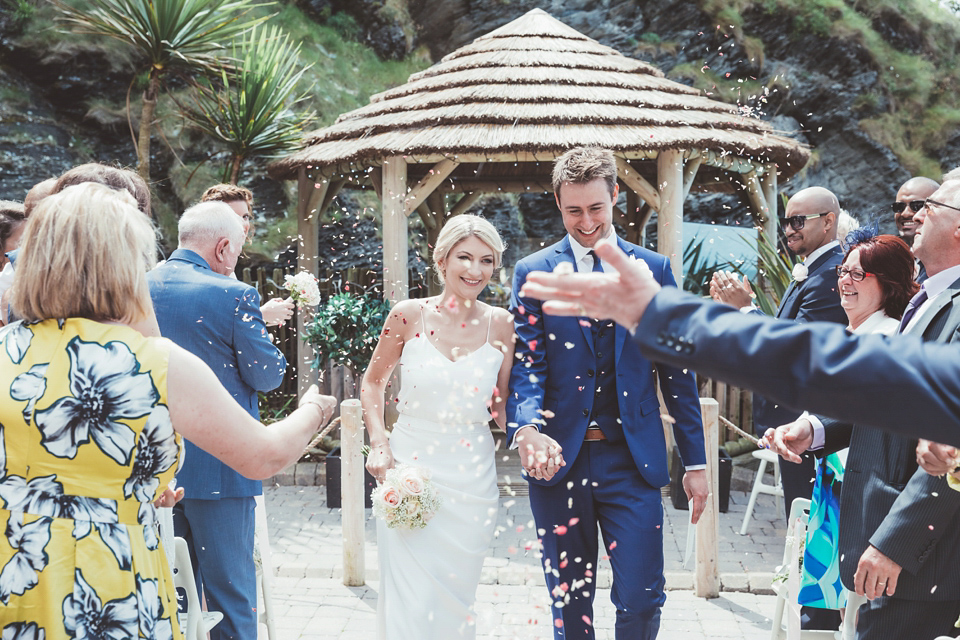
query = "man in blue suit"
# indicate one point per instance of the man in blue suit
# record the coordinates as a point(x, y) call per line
point(217, 318)
point(581, 387)
point(810, 227)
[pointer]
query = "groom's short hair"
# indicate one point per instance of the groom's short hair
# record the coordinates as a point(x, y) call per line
point(585, 164)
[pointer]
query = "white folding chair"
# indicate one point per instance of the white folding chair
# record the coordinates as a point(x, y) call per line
point(198, 622)
point(759, 486)
point(788, 589)
point(264, 561)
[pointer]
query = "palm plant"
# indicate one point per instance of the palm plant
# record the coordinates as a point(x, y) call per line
point(168, 35)
point(252, 111)
point(775, 272)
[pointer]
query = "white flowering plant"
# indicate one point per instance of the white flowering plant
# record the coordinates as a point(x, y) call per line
point(303, 289)
point(407, 499)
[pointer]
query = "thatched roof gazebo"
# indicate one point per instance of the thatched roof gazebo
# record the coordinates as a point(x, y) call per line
point(493, 115)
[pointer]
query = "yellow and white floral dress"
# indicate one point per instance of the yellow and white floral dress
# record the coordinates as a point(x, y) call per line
point(86, 445)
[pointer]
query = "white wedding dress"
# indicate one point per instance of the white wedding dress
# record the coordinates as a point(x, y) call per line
point(429, 576)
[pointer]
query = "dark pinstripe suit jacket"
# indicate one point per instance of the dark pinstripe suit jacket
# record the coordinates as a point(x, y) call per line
point(910, 516)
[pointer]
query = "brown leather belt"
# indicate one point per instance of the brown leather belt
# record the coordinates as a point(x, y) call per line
point(594, 434)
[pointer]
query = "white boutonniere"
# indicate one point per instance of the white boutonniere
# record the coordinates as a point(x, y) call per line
point(799, 272)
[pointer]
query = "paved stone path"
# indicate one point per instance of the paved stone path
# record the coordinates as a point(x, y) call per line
point(311, 602)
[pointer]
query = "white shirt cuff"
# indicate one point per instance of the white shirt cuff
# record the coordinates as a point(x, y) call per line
point(750, 308)
point(819, 433)
point(695, 467)
point(513, 442)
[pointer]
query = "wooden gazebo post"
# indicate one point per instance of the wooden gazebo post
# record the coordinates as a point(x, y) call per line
point(308, 198)
point(395, 281)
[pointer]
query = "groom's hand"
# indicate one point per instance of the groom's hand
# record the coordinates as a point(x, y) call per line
point(695, 486)
point(540, 455)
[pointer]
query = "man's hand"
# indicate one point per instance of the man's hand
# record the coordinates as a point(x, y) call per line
point(876, 574)
point(540, 455)
point(725, 288)
point(789, 440)
point(696, 488)
point(169, 497)
point(276, 311)
point(935, 458)
point(621, 296)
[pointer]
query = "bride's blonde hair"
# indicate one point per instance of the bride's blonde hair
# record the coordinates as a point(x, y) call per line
point(460, 228)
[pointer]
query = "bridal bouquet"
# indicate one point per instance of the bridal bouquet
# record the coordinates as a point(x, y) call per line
point(303, 289)
point(407, 499)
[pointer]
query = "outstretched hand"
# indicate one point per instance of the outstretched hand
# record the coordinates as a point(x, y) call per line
point(789, 440)
point(935, 458)
point(622, 296)
point(276, 311)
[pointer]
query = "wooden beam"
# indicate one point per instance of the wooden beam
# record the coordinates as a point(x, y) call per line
point(395, 280)
point(690, 173)
point(670, 220)
point(428, 184)
point(707, 579)
point(634, 205)
point(768, 184)
point(496, 186)
point(309, 194)
point(638, 183)
point(376, 177)
point(332, 191)
point(465, 202)
point(755, 194)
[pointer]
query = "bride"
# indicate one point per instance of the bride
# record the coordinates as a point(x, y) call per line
point(455, 354)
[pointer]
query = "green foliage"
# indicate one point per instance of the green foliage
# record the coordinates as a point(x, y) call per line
point(251, 114)
point(651, 38)
point(346, 330)
point(20, 10)
point(345, 24)
point(275, 406)
point(166, 34)
point(697, 271)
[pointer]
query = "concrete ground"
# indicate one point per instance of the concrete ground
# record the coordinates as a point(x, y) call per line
point(310, 601)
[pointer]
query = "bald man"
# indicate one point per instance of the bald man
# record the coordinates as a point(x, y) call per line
point(810, 227)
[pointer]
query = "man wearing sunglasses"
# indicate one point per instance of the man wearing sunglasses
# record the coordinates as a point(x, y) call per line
point(909, 201)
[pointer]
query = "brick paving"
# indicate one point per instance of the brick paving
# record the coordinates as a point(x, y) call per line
point(310, 601)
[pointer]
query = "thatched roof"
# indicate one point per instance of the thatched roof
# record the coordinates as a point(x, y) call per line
point(536, 86)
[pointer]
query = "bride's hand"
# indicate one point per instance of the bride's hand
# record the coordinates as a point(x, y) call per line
point(379, 460)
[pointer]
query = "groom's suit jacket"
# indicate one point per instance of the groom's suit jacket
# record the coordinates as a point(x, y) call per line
point(217, 319)
point(552, 385)
point(888, 502)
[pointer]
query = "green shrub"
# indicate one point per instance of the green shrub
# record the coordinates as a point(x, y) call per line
point(346, 329)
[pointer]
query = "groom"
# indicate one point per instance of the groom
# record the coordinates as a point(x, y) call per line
point(580, 386)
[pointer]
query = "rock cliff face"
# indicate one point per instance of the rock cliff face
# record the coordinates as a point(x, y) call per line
point(818, 89)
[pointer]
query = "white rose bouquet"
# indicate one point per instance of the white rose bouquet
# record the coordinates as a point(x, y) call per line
point(303, 289)
point(407, 499)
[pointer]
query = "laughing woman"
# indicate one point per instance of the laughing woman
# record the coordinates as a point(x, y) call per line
point(91, 419)
point(455, 354)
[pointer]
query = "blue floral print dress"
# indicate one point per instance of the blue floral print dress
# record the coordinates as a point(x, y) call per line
point(86, 445)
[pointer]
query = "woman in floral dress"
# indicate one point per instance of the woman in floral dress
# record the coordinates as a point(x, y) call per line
point(91, 418)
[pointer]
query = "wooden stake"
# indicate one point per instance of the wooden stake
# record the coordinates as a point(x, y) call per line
point(351, 493)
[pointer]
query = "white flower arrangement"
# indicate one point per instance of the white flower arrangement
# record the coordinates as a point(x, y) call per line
point(407, 499)
point(800, 272)
point(303, 289)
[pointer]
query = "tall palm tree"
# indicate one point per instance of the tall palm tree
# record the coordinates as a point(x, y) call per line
point(252, 111)
point(168, 35)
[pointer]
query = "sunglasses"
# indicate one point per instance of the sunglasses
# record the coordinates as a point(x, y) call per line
point(915, 206)
point(855, 274)
point(796, 222)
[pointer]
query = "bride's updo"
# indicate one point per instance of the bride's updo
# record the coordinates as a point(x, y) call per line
point(461, 227)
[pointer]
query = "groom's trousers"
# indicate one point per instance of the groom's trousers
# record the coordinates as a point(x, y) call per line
point(603, 487)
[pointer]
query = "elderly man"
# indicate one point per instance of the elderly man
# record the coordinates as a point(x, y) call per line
point(216, 317)
point(898, 526)
point(275, 311)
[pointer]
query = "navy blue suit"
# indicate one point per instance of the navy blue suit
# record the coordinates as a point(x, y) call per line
point(218, 319)
point(900, 384)
point(562, 381)
point(813, 299)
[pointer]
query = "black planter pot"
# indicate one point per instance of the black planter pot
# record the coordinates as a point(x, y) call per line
point(333, 482)
point(677, 495)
